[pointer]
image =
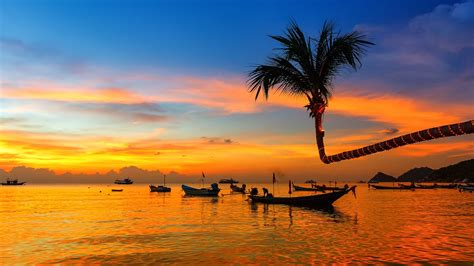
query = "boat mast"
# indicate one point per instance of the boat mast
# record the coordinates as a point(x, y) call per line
point(164, 180)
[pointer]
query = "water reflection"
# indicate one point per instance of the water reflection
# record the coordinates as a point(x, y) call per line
point(77, 224)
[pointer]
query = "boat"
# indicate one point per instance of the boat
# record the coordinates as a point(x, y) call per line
point(13, 183)
point(228, 181)
point(324, 188)
point(126, 181)
point(163, 188)
point(117, 190)
point(159, 189)
point(298, 188)
point(387, 187)
point(320, 200)
point(407, 186)
point(469, 188)
point(311, 181)
point(205, 192)
point(238, 189)
point(419, 186)
point(446, 186)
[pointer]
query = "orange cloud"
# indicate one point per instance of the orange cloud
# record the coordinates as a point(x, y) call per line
point(105, 95)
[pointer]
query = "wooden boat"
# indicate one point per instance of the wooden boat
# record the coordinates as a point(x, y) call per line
point(320, 200)
point(13, 183)
point(159, 189)
point(392, 188)
point(228, 181)
point(117, 190)
point(419, 186)
point(126, 181)
point(238, 189)
point(205, 192)
point(324, 188)
point(311, 181)
point(406, 186)
point(298, 188)
point(469, 188)
point(446, 186)
point(163, 188)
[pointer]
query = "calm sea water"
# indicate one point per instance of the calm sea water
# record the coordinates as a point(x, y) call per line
point(79, 224)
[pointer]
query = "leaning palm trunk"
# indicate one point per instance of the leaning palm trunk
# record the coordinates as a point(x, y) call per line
point(308, 66)
point(415, 137)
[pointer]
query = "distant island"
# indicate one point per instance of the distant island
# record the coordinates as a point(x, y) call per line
point(459, 172)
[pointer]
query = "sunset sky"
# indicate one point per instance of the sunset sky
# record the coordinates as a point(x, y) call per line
point(94, 86)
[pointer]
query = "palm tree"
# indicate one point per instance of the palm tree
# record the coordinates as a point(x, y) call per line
point(307, 67)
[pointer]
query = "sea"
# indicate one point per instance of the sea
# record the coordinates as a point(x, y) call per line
point(90, 224)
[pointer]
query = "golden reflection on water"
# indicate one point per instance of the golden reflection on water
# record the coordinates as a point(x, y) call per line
point(79, 224)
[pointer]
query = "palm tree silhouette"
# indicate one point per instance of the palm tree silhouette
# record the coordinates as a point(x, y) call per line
point(308, 67)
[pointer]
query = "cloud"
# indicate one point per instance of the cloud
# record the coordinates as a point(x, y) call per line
point(217, 140)
point(450, 27)
point(390, 131)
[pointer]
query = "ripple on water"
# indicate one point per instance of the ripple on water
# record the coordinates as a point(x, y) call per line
point(73, 224)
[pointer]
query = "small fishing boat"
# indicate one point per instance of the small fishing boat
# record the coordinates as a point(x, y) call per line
point(392, 188)
point(159, 189)
point(228, 181)
point(163, 188)
point(298, 188)
point(311, 181)
point(238, 189)
point(126, 181)
point(117, 190)
point(419, 186)
point(324, 188)
point(320, 200)
point(13, 183)
point(407, 186)
point(450, 186)
point(469, 188)
point(205, 192)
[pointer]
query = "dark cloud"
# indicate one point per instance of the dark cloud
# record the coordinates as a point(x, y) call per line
point(390, 131)
point(217, 140)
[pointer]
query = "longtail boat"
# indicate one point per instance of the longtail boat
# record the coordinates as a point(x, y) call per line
point(126, 181)
point(238, 189)
point(323, 188)
point(298, 188)
point(469, 188)
point(419, 186)
point(13, 183)
point(407, 186)
point(154, 188)
point(117, 190)
point(395, 188)
point(446, 186)
point(163, 188)
point(320, 200)
point(205, 192)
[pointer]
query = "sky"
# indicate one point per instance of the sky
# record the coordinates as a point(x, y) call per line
point(87, 87)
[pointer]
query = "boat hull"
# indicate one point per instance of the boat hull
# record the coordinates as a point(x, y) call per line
point(320, 200)
point(298, 188)
point(13, 184)
point(123, 183)
point(228, 181)
point(391, 188)
point(237, 189)
point(159, 189)
point(201, 192)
